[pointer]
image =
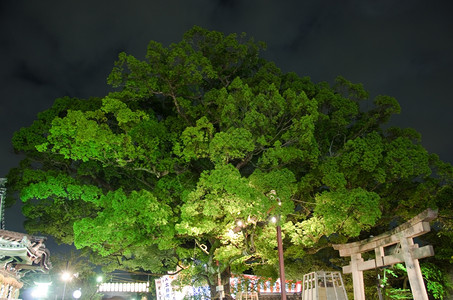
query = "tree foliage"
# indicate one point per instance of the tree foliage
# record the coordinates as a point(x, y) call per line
point(193, 139)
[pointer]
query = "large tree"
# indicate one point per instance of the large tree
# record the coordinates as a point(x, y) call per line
point(183, 164)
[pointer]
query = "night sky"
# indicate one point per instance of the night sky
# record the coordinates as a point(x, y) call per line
point(57, 48)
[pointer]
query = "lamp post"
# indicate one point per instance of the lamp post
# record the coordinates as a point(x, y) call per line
point(99, 282)
point(281, 263)
point(66, 276)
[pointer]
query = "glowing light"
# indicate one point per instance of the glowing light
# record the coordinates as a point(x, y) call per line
point(274, 220)
point(124, 287)
point(66, 276)
point(231, 234)
point(40, 290)
point(77, 294)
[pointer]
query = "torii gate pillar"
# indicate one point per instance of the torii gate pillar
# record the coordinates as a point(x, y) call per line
point(409, 253)
point(413, 269)
point(357, 276)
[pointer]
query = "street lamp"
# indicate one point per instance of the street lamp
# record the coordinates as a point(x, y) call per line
point(281, 263)
point(99, 280)
point(66, 276)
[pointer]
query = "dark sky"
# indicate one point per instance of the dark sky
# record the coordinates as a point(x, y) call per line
point(56, 48)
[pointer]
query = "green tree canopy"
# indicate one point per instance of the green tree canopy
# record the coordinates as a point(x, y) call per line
point(156, 175)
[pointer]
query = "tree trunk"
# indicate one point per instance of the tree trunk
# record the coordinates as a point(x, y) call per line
point(406, 279)
point(225, 282)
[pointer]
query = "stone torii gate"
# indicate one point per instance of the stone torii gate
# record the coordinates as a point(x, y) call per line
point(406, 251)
